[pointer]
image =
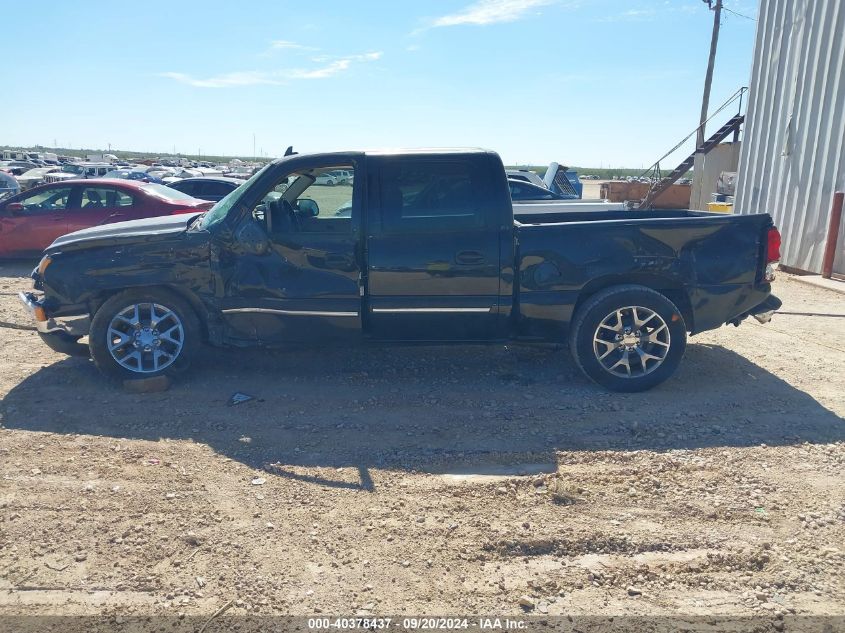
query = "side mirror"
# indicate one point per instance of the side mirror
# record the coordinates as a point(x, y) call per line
point(308, 208)
point(14, 208)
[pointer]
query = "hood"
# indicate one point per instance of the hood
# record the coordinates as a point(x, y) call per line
point(145, 230)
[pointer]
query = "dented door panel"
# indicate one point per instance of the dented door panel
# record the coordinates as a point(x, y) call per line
point(305, 289)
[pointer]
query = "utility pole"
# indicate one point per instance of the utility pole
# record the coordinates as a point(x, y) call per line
point(708, 78)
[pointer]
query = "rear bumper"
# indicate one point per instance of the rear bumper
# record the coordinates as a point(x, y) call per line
point(764, 311)
point(34, 305)
point(713, 306)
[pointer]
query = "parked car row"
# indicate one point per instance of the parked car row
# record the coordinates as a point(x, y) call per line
point(82, 195)
point(30, 169)
point(31, 220)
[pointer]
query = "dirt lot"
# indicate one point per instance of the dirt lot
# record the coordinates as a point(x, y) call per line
point(430, 480)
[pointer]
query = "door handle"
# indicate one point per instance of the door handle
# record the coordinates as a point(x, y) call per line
point(470, 257)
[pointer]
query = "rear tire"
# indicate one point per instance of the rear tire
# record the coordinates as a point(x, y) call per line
point(628, 338)
point(144, 333)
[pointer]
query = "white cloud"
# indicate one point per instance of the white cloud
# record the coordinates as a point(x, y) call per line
point(334, 67)
point(490, 12)
point(275, 77)
point(286, 45)
point(228, 80)
point(279, 44)
point(328, 70)
point(631, 15)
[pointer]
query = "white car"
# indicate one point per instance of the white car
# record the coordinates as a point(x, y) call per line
point(36, 176)
point(327, 178)
point(72, 171)
point(344, 176)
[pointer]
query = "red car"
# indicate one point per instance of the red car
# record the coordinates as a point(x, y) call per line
point(30, 221)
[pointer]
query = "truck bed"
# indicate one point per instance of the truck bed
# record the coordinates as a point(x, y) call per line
point(529, 207)
point(714, 260)
point(551, 215)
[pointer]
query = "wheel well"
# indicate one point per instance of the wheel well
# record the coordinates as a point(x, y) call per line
point(668, 287)
point(197, 305)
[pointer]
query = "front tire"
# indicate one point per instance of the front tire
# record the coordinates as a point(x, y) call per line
point(144, 333)
point(628, 338)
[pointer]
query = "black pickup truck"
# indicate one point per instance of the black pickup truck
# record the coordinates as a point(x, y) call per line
point(416, 246)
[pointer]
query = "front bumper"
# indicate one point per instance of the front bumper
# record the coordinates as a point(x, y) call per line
point(75, 326)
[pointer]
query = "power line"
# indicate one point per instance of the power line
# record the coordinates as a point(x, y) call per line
point(742, 15)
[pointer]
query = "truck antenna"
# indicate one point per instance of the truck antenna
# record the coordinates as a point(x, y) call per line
point(289, 151)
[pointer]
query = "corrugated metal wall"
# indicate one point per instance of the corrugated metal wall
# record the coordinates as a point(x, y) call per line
point(793, 150)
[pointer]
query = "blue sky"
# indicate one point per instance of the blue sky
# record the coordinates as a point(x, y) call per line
point(591, 82)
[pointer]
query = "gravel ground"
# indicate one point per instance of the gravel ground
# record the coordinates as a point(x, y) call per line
point(464, 480)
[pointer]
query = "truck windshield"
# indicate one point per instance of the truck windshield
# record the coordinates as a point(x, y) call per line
point(219, 211)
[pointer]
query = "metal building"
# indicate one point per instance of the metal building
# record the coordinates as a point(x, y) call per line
point(793, 151)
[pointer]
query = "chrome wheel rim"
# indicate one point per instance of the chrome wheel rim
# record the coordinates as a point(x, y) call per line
point(145, 337)
point(631, 342)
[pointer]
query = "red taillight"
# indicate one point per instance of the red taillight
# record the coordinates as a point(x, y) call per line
point(772, 246)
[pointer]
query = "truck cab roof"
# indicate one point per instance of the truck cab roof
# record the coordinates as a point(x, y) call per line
point(419, 151)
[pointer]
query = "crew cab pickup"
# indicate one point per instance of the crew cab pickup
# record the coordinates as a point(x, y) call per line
point(423, 247)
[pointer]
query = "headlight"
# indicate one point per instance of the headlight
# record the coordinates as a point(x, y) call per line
point(42, 265)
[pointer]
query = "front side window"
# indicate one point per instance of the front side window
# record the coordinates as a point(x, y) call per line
point(48, 200)
point(429, 195)
point(310, 200)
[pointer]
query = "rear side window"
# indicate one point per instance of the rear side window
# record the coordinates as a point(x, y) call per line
point(104, 197)
point(185, 187)
point(167, 193)
point(217, 189)
point(430, 196)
